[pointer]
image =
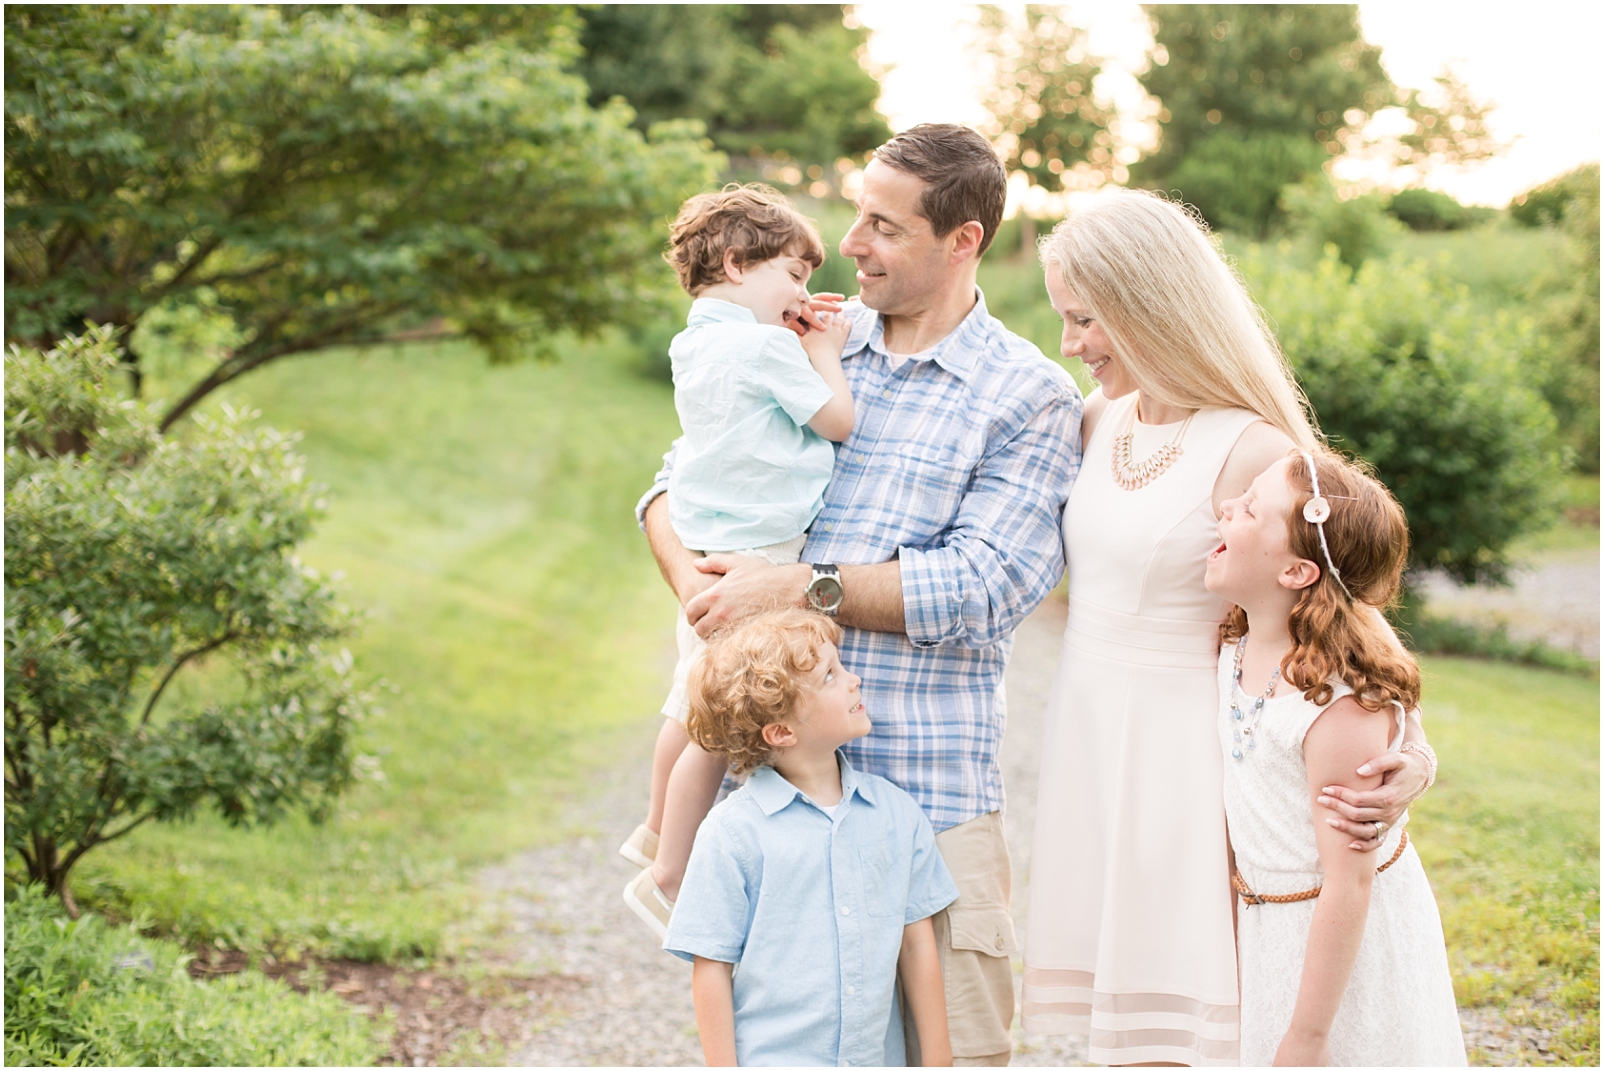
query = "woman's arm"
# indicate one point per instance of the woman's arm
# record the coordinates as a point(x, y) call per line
point(1335, 744)
point(715, 1010)
point(1403, 780)
point(919, 967)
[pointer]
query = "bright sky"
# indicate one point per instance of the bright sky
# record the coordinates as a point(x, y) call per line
point(1536, 63)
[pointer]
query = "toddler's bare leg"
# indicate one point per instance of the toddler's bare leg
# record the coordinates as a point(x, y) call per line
point(691, 791)
point(671, 741)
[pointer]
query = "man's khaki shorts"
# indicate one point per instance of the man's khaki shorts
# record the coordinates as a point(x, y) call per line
point(975, 937)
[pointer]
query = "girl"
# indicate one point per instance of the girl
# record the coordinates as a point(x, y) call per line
point(1340, 952)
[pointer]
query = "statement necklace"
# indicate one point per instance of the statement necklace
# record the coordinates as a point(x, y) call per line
point(1242, 729)
point(1131, 477)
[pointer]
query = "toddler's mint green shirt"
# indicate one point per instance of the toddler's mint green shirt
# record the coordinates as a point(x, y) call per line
point(748, 471)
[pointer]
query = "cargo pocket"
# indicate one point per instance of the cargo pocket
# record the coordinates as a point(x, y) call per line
point(989, 930)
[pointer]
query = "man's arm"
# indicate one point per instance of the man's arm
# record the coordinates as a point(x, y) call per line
point(1002, 554)
point(715, 1010)
point(677, 564)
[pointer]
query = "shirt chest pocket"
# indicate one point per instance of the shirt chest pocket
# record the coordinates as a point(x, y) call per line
point(926, 485)
point(885, 891)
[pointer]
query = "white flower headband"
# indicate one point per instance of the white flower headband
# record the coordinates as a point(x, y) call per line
point(1315, 511)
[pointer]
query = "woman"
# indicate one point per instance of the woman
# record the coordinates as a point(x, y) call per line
point(1130, 937)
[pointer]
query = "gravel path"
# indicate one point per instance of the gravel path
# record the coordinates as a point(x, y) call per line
point(1553, 597)
point(632, 1006)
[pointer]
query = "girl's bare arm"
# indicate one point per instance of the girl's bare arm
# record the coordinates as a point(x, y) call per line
point(1338, 742)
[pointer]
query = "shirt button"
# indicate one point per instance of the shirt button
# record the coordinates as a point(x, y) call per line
point(886, 394)
point(851, 990)
point(999, 944)
point(846, 910)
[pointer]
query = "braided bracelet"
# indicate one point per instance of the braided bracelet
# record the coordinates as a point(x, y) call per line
point(1431, 760)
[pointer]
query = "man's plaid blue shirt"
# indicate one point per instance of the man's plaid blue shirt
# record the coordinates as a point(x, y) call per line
point(958, 466)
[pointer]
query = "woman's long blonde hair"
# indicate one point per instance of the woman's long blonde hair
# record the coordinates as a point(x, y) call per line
point(1176, 314)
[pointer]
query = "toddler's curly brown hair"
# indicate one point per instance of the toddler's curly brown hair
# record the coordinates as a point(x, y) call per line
point(751, 675)
point(755, 220)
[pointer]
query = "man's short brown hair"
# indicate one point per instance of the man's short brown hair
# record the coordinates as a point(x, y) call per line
point(751, 675)
point(964, 178)
point(754, 220)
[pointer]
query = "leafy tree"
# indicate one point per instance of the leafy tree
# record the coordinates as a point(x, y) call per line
point(1453, 130)
point(768, 80)
point(128, 558)
point(325, 176)
point(1049, 123)
point(1253, 98)
point(1568, 293)
point(1406, 370)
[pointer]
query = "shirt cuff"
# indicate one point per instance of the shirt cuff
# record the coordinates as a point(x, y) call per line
point(659, 487)
point(940, 596)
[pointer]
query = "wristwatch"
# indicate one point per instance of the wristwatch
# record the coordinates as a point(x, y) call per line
point(824, 590)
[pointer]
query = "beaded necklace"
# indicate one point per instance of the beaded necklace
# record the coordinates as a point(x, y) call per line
point(1131, 477)
point(1242, 732)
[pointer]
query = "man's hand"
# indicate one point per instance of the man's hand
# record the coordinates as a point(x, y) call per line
point(740, 587)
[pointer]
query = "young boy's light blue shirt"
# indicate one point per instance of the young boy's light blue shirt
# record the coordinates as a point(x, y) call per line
point(748, 471)
point(811, 910)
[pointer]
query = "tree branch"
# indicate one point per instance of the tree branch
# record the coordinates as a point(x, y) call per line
point(236, 366)
point(178, 665)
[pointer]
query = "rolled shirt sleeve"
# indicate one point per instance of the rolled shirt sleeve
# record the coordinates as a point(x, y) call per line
point(1004, 551)
point(659, 486)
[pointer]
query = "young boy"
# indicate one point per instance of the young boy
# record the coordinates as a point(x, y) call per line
point(810, 890)
point(757, 406)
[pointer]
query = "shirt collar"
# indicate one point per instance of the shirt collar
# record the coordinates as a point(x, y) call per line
point(774, 793)
point(954, 352)
point(716, 310)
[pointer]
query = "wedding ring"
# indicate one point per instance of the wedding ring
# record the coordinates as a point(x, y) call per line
point(1381, 829)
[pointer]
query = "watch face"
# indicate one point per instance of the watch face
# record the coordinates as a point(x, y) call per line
point(825, 593)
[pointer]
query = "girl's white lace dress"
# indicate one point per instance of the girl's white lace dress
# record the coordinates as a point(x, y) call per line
point(1399, 1006)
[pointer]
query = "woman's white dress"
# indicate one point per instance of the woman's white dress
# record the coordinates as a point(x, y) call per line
point(1398, 1009)
point(1129, 937)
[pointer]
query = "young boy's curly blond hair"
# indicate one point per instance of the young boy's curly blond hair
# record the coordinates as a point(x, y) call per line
point(751, 675)
point(754, 220)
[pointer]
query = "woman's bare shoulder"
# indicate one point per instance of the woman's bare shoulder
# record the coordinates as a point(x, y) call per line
point(1096, 402)
point(1260, 445)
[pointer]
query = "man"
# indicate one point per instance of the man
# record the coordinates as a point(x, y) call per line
point(939, 534)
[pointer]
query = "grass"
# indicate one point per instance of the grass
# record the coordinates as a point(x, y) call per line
point(483, 519)
point(1509, 837)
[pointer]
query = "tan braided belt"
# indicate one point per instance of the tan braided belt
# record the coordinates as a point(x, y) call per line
point(1249, 897)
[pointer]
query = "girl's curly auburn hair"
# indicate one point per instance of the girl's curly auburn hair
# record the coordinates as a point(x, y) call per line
point(751, 675)
point(1333, 635)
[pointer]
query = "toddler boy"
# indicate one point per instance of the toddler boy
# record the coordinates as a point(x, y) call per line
point(810, 889)
point(757, 405)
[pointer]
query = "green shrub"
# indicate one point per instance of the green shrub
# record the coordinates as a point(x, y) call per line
point(83, 993)
point(1359, 227)
point(1547, 202)
point(128, 559)
point(1429, 385)
point(1421, 209)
